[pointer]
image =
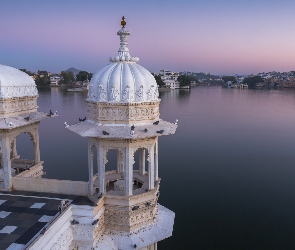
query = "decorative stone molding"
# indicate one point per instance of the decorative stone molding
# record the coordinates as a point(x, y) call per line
point(18, 91)
point(18, 105)
point(127, 221)
point(128, 94)
point(139, 94)
point(114, 94)
point(122, 113)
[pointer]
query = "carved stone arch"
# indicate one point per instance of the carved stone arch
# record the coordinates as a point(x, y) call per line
point(33, 137)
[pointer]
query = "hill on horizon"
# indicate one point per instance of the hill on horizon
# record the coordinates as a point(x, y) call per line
point(74, 70)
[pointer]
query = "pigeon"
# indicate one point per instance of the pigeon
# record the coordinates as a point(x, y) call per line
point(176, 122)
point(27, 168)
point(105, 132)
point(10, 124)
point(84, 119)
point(132, 127)
point(160, 131)
point(145, 130)
point(50, 113)
point(135, 208)
point(66, 125)
point(132, 132)
point(94, 222)
point(74, 222)
point(27, 118)
point(156, 123)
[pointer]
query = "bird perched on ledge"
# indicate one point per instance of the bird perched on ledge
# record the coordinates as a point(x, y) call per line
point(66, 125)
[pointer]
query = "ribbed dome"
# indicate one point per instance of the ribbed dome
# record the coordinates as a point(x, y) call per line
point(123, 80)
point(15, 83)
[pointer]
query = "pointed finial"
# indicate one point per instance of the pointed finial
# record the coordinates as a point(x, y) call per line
point(123, 23)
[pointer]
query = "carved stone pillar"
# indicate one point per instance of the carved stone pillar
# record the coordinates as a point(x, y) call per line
point(156, 162)
point(128, 171)
point(36, 147)
point(6, 163)
point(14, 151)
point(119, 162)
point(90, 169)
point(151, 167)
point(101, 169)
point(141, 161)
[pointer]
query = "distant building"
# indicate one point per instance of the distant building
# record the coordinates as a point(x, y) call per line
point(55, 79)
point(42, 73)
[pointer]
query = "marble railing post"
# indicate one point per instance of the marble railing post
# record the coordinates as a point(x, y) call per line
point(151, 168)
point(141, 161)
point(128, 171)
point(90, 169)
point(101, 170)
point(6, 163)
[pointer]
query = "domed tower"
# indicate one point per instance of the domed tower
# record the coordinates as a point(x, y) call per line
point(18, 114)
point(123, 115)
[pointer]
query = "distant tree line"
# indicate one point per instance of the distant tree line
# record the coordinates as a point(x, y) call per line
point(66, 77)
point(252, 81)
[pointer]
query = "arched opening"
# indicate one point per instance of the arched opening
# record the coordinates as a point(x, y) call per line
point(113, 169)
point(22, 153)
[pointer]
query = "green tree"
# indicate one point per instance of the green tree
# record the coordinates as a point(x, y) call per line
point(229, 78)
point(184, 81)
point(252, 81)
point(193, 79)
point(67, 77)
point(42, 81)
point(83, 75)
point(159, 80)
point(26, 71)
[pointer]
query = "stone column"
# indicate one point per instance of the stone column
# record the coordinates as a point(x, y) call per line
point(14, 152)
point(36, 147)
point(151, 167)
point(128, 171)
point(6, 163)
point(156, 162)
point(90, 169)
point(101, 169)
point(141, 161)
point(119, 162)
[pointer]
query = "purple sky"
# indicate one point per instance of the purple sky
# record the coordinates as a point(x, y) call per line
point(220, 37)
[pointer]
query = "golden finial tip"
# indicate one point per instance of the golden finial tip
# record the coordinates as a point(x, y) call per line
point(123, 23)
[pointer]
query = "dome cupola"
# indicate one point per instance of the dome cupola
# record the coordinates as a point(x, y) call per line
point(18, 92)
point(123, 92)
point(123, 80)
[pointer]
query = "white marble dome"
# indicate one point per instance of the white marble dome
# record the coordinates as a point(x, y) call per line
point(123, 80)
point(15, 83)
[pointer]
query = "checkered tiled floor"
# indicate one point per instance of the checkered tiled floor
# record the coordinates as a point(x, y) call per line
point(23, 215)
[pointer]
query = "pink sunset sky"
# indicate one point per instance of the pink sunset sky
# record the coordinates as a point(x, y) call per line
point(221, 37)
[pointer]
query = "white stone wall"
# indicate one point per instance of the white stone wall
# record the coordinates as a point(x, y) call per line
point(50, 185)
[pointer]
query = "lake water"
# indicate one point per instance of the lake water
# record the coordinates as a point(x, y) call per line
point(228, 173)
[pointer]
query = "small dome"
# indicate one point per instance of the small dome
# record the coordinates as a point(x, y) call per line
point(15, 83)
point(123, 80)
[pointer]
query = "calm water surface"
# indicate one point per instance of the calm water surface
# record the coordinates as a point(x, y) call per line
point(228, 173)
